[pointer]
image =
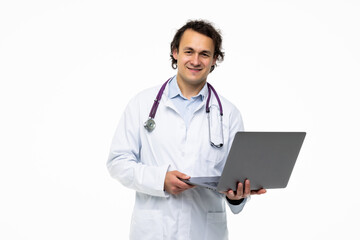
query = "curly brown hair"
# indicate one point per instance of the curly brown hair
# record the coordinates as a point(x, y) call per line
point(203, 27)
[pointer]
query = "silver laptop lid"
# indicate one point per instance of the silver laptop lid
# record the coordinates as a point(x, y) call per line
point(265, 158)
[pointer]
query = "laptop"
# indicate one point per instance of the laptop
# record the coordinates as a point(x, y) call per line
point(267, 159)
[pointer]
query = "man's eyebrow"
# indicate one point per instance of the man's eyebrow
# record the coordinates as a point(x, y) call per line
point(188, 48)
point(207, 52)
point(204, 51)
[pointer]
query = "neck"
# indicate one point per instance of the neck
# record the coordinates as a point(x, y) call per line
point(190, 90)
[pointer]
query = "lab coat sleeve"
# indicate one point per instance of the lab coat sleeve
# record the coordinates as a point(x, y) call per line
point(237, 208)
point(124, 163)
point(235, 125)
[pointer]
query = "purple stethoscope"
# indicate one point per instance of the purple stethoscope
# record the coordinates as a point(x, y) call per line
point(150, 123)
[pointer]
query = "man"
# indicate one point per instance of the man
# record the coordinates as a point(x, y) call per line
point(152, 161)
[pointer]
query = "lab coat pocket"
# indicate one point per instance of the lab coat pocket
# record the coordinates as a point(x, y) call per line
point(212, 164)
point(216, 158)
point(146, 224)
point(216, 227)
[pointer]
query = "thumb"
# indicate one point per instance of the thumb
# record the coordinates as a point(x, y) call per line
point(181, 175)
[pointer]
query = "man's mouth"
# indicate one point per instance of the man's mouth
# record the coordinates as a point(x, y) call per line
point(195, 69)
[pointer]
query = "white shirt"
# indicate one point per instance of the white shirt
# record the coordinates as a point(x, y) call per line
point(140, 159)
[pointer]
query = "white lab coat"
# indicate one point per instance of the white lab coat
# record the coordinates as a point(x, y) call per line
point(140, 159)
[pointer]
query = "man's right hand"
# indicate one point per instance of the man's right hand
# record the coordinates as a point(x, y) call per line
point(173, 184)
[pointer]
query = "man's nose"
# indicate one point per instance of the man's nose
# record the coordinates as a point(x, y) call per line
point(195, 60)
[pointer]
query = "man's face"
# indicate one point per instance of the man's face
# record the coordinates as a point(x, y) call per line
point(195, 57)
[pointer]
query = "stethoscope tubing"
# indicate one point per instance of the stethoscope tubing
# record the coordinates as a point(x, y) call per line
point(150, 123)
point(207, 107)
point(211, 88)
point(157, 100)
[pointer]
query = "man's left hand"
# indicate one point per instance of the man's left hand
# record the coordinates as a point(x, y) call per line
point(243, 191)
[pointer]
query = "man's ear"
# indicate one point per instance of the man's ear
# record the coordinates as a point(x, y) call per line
point(214, 61)
point(175, 54)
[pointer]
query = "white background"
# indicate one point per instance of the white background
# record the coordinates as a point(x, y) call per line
point(68, 68)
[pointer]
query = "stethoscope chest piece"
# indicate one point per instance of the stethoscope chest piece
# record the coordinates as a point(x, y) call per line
point(150, 124)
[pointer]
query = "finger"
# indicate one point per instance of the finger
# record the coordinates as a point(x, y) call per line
point(177, 189)
point(181, 175)
point(247, 188)
point(240, 189)
point(262, 191)
point(177, 182)
point(258, 192)
point(182, 185)
point(187, 186)
point(181, 189)
point(230, 194)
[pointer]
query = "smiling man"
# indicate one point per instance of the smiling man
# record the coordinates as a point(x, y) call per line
point(195, 58)
point(152, 158)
